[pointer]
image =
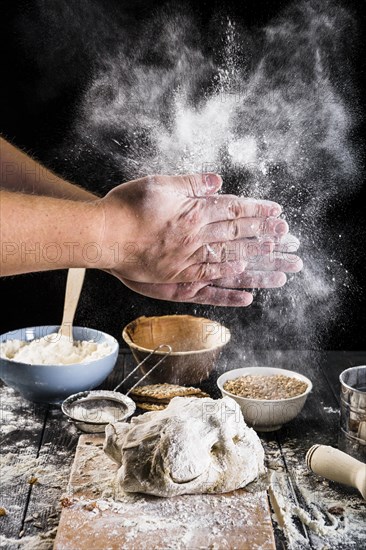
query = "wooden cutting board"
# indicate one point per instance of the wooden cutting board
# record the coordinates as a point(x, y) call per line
point(92, 519)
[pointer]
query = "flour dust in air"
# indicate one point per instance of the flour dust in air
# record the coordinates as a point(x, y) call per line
point(271, 110)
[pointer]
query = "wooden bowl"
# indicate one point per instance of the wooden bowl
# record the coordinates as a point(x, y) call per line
point(196, 343)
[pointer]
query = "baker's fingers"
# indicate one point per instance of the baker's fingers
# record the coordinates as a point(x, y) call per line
point(231, 207)
point(277, 261)
point(196, 293)
point(241, 228)
point(208, 272)
point(255, 279)
point(223, 297)
point(233, 250)
point(287, 243)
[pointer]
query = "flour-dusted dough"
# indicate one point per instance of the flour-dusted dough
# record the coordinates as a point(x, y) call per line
point(193, 446)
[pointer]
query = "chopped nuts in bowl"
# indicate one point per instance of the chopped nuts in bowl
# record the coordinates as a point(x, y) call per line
point(268, 397)
point(272, 387)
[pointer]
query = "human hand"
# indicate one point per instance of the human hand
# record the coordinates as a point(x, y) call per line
point(175, 229)
point(267, 270)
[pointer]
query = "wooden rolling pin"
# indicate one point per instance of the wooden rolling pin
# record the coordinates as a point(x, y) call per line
point(337, 466)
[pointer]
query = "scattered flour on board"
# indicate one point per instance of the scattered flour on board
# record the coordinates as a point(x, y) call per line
point(331, 410)
point(20, 465)
point(43, 541)
point(328, 519)
point(177, 521)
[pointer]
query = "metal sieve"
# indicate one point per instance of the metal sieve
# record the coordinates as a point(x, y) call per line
point(92, 410)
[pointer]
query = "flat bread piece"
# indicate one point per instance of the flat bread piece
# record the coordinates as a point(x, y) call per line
point(164, 392)
point(151, 406)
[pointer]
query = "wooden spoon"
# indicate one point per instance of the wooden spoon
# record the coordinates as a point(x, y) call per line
point(337, 466)
point(74, 284)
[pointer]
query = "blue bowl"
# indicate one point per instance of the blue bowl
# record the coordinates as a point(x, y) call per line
point(53, 383)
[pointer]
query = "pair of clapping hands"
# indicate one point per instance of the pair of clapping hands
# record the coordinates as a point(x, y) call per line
point(184, 242)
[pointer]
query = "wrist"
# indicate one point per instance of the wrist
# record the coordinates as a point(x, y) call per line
point(117, 227)
point(91, 252)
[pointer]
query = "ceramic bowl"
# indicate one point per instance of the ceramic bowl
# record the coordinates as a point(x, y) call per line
point(53, 383)
point(262, 414)
point(196, 343)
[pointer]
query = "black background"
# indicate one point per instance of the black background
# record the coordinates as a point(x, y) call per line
point(46, 66)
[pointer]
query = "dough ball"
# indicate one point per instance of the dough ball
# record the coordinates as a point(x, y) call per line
point(193, 446)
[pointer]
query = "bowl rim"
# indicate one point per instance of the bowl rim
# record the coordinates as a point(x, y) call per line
point(132, 344)
point(299, 376)
point(114, 343)
point(347, 386)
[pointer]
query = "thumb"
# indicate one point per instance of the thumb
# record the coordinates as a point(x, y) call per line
point(199, 185)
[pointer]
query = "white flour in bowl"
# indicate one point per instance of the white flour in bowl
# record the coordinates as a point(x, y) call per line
point(53, 349)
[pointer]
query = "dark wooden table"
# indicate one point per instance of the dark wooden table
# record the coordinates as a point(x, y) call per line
point(38, 444)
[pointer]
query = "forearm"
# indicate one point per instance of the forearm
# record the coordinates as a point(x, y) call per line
point(19, 172)
point(43, 233)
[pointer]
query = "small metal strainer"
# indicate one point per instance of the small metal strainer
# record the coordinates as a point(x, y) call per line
point(92, 410)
